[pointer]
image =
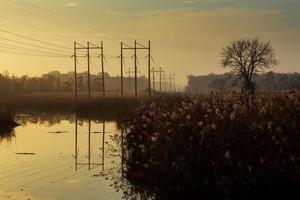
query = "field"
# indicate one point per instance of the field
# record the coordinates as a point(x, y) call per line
point(238, 146)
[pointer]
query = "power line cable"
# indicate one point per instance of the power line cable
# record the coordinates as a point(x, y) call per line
point(30, 54)
point(33, 39)
point(3, 45)
point(32, 45)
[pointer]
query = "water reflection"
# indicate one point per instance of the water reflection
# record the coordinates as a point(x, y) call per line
point(89, 151)
point(7, 125)
point(6, 134)
point(73, 158)
point(53, 118)
point(43, 118)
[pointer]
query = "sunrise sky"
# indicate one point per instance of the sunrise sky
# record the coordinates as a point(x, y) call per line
point(187, 35)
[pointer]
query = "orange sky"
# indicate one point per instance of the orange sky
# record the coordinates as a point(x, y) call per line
point(187, 36)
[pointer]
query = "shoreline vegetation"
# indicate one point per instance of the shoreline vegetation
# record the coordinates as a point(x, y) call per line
point(108, 108)
point(82, 104)
point(238, 146)
point(7, 125)
point(7, 119)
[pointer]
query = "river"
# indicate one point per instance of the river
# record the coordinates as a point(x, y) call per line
point(58, 157)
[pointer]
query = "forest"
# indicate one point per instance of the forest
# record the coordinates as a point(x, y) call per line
point(57, 82)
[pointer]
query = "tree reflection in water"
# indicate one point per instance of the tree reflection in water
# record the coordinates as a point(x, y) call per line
point(6, 134)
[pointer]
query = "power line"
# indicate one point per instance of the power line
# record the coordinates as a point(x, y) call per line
point(3, 45)
point(32, 45)
point(36, 40)
point(33, 52)
point(30, 54)
point(136, 47)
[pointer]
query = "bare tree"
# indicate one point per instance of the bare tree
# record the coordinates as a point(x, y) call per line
point(246, 57)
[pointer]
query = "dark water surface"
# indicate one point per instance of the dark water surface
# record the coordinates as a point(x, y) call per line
point(46, 158)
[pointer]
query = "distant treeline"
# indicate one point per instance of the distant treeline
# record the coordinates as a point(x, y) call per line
point(222, 83)
point(64, 82)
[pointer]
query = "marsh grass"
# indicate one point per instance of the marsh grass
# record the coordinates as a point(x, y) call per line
point(238, 146)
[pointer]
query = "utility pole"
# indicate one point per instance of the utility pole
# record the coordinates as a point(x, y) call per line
point(89, 78)
point(149, 67)
point(129, 81)
point(125, 47)
point(89, 146)
point(75, 71)
point(129, 72)
point(174, 82)
point(160, 80)
point(136, 47)
point(78, 46)
point(103, 143)
point(153, 78)
point(170, 81)
point(89, 162)
point(76, 141)
point(102, 68)
point(165, 81)
point(122, 87)
point(135, 70)
point(160, 77)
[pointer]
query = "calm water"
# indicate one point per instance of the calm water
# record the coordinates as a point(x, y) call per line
point(60, 163)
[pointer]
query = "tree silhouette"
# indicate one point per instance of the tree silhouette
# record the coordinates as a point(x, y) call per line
point(246, 57)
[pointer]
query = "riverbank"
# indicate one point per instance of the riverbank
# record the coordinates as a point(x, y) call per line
point(108, 108)
point(59, 102)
